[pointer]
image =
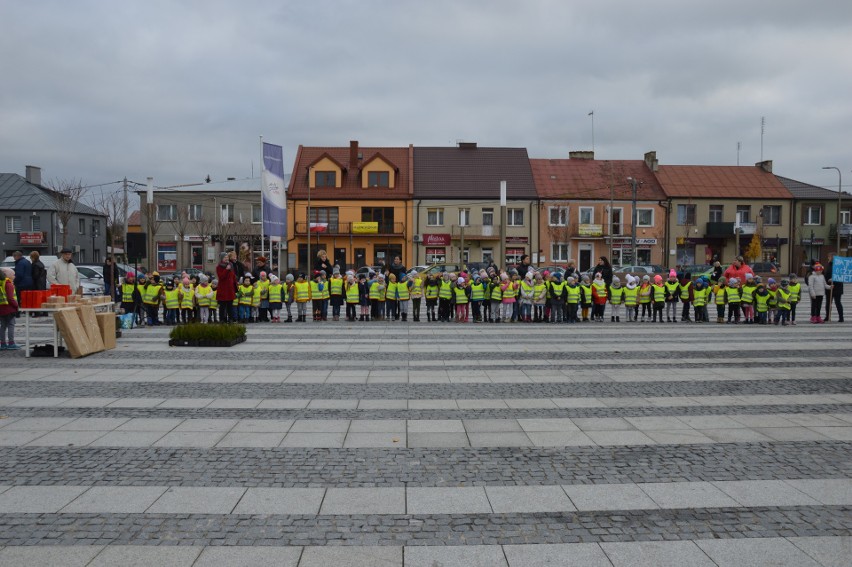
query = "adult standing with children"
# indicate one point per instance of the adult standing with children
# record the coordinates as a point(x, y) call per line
point(816, 289)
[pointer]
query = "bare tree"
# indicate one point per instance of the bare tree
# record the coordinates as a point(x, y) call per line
point(111, 205)
point(152, 225)
point(66, 194)
point(205, 225)
point(181, 224)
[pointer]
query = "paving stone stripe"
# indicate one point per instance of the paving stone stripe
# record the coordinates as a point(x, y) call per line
point(792, 551)
point(425, 391)
point(498, 352)
point(430, 529)
point(423, 500)
point(415, 414)
point(459, 466)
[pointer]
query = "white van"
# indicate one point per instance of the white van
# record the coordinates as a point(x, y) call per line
point(46, 260)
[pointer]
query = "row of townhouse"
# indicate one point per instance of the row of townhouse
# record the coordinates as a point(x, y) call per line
point(365, 205)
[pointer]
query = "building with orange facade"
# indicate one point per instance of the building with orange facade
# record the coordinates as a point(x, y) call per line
point(353, 202)
point(586, 211)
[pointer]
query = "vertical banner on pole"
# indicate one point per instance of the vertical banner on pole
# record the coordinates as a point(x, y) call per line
point(273, 193)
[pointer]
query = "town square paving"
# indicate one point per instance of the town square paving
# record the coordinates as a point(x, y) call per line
point(408, 444)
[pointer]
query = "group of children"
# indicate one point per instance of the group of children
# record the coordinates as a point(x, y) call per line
point(477, 297)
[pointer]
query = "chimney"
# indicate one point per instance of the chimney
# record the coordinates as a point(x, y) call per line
point(353, 155)
point(34, 174)
point(765, 165)
point(467, 145)
point(651, 161)
point(583, 154)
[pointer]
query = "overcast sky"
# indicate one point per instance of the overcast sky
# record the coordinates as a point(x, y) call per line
point(100, 90)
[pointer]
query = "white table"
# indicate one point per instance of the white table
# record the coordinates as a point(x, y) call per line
point(28, 312)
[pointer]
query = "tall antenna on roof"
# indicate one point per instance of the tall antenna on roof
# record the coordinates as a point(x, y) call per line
point(739, 147)
point(762, 131)
point(592, 114)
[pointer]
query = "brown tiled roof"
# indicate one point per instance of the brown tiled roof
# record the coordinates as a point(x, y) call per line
point(591, 179)
point(351, 182)
point(721, 182)
point(802, 190)
point(134, 219)
point(472, 172)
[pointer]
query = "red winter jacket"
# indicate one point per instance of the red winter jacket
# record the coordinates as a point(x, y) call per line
point(227, 289)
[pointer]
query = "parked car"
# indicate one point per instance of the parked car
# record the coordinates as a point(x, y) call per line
point(438, 268)
point(633, 269)
point(553, 269)
point(765, 267)
point(91, 271)
point(367, 269)
point(92, 286)
point(698, 270)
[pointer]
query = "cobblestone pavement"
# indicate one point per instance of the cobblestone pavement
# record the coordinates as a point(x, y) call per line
point(435, 445)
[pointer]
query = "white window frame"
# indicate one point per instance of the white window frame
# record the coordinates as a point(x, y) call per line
point(172, 213)
point(464, 217)
point(256, 208)
point(490, 213)
point(721, 212)
point(439, 216)
point(743, 209)
point(226, 213)
point(510, 216)
point(807, 220)
point(487, 254)
point(35, 224)
point(686, 208)
point(845, 217)
point(620, 225)
point(195, 212)
point(590, 211)
point(561, 216)
point(639, 222)
point(81, 226)
point(10, 225)
point(556, 247)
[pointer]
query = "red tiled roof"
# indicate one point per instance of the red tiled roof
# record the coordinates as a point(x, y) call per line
point(721, 182)
point(588, 179)
point(134, 219)
point(351, 182)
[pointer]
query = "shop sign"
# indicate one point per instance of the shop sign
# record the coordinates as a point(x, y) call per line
point(31, 238)
point(590, 230)
point(517, 240)
point(436, 239)
point(365, 227)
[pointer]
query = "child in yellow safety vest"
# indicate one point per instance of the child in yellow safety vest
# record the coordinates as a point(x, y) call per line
point(795, 296)
point(782, 298)
point(335, 292)
point(586, 300)
point(391, 301)
point(317, 293)
point(616, 299)
point(572, 299)
point(749, 286)
point(275, 297)
point(719, 298)
point(403, 294)
point(686, 296)
point(214, 303)
point(539, 297)
point(416, 296)
point(672, 287)
point(496, 299)
point(761, 304)
point(631, 299)
point(203, 294)
point(772, 288)
point(256, 299)
point(460, 294)
point(187, 301)
point(658, 295)
point(171, 302)
point(245, 293)
point(302, 294)
point(733, 297)
point(646, 297)
point(700, 297)
point(353, 296)
point(599, 297)
point(263, 284)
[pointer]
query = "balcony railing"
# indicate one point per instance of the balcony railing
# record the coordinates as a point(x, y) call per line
point(845, 230)
point(346, 228)
point(475, 232)
point(719, 230)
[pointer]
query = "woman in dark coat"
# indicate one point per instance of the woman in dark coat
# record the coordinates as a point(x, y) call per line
point(605, 270)
point(39, 272)
point(323, 262)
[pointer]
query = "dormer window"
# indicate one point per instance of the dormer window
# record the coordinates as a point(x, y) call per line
point(378, 179)
point(326, 179)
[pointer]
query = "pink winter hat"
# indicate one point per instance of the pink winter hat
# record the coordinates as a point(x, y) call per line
point(658, 279)
point(672, 274)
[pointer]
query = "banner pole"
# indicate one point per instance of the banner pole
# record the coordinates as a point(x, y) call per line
point(262, 167)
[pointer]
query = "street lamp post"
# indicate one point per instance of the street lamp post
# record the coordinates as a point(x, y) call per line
point(635, 185)
point(839, 202)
